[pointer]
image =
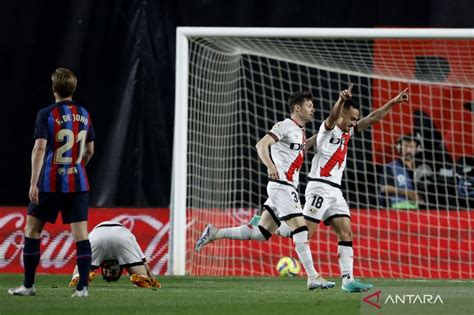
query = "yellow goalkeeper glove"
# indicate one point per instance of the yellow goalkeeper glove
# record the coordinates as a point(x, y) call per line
point(144, 282)
point(75, 279)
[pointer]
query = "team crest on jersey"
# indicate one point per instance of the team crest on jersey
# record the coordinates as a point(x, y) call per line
point(313, 210)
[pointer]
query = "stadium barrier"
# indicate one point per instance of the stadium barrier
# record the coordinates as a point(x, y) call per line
point(150, 226)
point(388, 244)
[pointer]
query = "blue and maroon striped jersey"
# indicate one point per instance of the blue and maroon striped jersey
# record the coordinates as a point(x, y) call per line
point(67, 127)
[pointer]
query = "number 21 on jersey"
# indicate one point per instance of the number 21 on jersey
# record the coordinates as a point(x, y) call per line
point(67, 136)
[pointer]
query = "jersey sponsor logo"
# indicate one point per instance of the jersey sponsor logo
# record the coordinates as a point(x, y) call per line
point(70, 170)
point(296, 146)
point(338, 140)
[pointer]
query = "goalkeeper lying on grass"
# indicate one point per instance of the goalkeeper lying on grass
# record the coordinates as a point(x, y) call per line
point(115, 248)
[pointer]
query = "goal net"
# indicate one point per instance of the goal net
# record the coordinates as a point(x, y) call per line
point(234, 85)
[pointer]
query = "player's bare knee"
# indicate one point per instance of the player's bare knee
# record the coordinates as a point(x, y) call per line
point(345, 235)
point(80, 235)
point(79, 231)
point(268, 221)
point(31, 232)
point(311, 229)
point(33, 227)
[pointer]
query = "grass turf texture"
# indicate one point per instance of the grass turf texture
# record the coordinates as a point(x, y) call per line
point(188, 295)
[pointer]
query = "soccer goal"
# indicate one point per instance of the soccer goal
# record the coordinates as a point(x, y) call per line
point(232, 85)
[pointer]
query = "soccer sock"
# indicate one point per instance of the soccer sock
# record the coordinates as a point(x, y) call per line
point(244, 232)
point(284, 230)
point(31, 258)
point(346, 260)
point(83, 256)
point(300, 239)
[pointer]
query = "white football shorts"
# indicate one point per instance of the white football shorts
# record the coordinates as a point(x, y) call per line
point(115, 242)
point(324, 202)
point(283, 200)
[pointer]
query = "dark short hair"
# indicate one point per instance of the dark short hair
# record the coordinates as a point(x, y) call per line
point(351, 103)
point(111, 270)
point(64, 82)
point(298, 98)
point(409, 138)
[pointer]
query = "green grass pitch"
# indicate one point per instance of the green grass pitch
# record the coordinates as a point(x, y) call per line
point(190, 295)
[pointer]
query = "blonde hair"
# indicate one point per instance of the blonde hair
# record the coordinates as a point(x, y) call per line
point(64, 82)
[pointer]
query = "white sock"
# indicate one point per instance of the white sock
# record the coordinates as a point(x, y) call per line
point(243, 232)
point(300, 239)
point(346, 261)
point(284, 230)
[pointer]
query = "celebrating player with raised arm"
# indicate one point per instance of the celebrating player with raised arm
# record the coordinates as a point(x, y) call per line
point(324, 199)
point(286, 141)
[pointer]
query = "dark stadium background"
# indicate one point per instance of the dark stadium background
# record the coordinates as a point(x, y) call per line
point(123, 52)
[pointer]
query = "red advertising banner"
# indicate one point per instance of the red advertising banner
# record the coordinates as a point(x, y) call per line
point(391, 243)
point(387, 243)
point(58, 249)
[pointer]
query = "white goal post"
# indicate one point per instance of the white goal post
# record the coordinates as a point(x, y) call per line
point(295, 52)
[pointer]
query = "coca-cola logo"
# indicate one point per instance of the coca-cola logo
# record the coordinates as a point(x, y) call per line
point(11, 246)
point(59, 249)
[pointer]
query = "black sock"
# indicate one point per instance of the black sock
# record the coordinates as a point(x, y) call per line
point(31, 258)
point(84, 255)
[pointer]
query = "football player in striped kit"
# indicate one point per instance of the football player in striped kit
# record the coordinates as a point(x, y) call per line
point(324, 199)
point(286, 141)
point(64, 144)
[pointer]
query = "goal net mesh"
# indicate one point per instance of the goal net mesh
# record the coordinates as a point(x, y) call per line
point(239, 87)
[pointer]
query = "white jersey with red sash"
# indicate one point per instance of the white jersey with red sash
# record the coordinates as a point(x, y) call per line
point(329, 161)
point(288, 156)
point(324, 199)
point(287, 153)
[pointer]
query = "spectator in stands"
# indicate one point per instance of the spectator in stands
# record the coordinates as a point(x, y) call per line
point(396, 183)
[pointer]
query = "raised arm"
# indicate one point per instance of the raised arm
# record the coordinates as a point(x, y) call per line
point(264, 155)
point(336, 110)
point(381, 112)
